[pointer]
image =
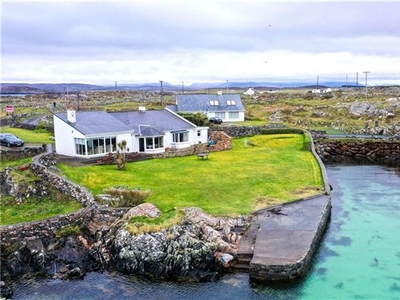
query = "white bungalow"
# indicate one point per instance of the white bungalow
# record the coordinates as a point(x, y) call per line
point(96, 133)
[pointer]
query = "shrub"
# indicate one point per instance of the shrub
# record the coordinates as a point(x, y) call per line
point(68, 231)
point(122, 196)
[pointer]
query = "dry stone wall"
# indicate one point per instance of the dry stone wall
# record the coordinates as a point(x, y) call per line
point(382, 151)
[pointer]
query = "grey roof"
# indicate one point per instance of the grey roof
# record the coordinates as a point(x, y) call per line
point(145, 123)
point(149, 131)
point(161, 120)
point(201, 103)
point(95, 122)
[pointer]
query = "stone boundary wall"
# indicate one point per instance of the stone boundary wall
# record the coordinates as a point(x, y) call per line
point(15, 235)
point(383, 151)
point(40, 166)
point(17, 153)
point(241, 131)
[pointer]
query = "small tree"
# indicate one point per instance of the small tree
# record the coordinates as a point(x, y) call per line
point(120, 156)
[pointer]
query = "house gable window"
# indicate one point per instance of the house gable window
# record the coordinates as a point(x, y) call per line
point(180, 137)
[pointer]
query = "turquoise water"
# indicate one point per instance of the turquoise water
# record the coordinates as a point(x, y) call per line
point(359, 257)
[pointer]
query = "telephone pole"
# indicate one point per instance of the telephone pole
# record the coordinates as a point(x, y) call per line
point(366, 81)
point(162, 93)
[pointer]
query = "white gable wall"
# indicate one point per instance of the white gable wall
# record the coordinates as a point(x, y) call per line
point(64, 137)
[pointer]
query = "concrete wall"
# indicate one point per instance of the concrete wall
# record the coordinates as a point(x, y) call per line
point(293, 269)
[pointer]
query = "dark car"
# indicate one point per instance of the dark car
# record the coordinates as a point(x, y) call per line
point(10, 140)
point(215, 120)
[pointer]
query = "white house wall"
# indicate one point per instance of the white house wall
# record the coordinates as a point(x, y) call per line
point(131, 141)
point(226, 118)
point(64, 137)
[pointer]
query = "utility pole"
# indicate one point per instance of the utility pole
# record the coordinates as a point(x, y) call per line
point(227, 82)
point(162, 93)
point(317, 82)
point(183, 88)
point(366, 90)
point(357, 80)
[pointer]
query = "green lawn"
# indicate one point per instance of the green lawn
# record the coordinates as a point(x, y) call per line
point(35, 210)
point(30, 136)
point(271, 169)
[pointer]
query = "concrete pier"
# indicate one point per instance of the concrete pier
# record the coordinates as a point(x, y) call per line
point(286, 238)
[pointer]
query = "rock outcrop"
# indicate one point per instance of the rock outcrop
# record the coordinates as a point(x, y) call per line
point(181, 252)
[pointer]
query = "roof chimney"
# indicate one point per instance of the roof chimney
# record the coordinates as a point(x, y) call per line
point(71, 116)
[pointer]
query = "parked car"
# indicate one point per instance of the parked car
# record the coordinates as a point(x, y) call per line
point(10, 140)
point(215, 120)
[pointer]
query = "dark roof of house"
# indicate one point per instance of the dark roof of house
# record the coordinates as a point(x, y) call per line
point(161, 120)
point(203, 103)
point(144, 123)
point(149, 131)
point(95, 122)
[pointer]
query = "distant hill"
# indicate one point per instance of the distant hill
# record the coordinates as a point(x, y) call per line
point(42, 88)
point(37, 88)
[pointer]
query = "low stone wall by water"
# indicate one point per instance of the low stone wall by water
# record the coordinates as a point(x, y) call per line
point(382, 151)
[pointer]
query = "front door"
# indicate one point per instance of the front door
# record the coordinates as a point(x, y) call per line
point(141, 145)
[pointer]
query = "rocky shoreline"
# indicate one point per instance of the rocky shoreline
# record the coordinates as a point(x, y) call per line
point(183, 252)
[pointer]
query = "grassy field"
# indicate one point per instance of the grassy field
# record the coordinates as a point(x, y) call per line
point(30, 136)
point(271, 169)
point(34, 210)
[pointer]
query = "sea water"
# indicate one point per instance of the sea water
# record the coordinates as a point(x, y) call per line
point(359, 257)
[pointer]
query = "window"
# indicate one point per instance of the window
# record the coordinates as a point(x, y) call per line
point(80, 147)
point(233, 115)
point(220, 115)
point(198, 132)
point(101, 145)
point(214, 102)
point(180, 137)
point(151, 143)
point(231, 102)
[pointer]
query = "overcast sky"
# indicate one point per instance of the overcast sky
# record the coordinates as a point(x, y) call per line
point(200, 41)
